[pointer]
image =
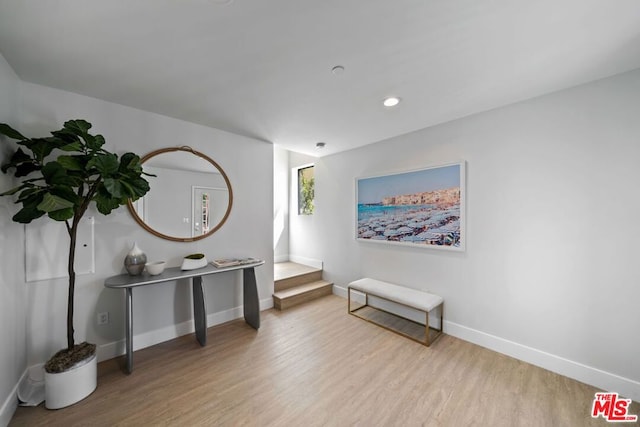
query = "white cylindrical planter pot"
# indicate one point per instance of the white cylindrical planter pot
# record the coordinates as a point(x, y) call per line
point(69, 387)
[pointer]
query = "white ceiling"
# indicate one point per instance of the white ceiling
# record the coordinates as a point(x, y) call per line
point(262, 68)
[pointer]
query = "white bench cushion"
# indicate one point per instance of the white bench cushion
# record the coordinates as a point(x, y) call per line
point(410, 297)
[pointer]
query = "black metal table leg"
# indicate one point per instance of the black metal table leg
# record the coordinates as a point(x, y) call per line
point(250, 295)
point(129, 330)
point(199, 310)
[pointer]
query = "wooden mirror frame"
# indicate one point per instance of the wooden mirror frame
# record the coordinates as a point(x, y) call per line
point(146, 226)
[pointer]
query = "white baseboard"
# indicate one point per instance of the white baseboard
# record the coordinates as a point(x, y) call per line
point(147, 339)
point(280, 258)
point(10, 404)
point(603, 380)
point(340, 291)
point(626, 387)
point(315, 263)
point(266, 304)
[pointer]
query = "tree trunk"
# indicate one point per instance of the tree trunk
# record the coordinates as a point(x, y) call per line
point(73, 231)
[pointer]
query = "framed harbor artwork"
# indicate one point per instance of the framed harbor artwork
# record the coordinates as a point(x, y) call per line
point(419, 208)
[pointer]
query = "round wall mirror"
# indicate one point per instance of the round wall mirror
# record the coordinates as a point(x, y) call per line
point(190, 196)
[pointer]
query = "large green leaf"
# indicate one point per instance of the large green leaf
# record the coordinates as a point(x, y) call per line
point(72, 146)
point(22, 163)
point(52, 171)
point(29, 209)
point(61, 215)
point(73, 163)
point(29, 192)
point(20, 156)
point(52, 203)
point(139, 187)
point(66, 193)
point(27, 214)
point(106, 164)
point(81, 129)
point(7, 130)
point(94, 142)
point(77, 127)
point(55, 174)
point(130, 163)
point(90, 141)
point(42, 147)
point(105, 203)
point(24, 169)
point(127, 190)
point(114, 187)
point(72, 141)
point(12, 191)
point(67, 136)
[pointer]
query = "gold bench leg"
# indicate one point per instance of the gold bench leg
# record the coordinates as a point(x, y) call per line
point(426, 329)
point(427, 337)
point(427, 340)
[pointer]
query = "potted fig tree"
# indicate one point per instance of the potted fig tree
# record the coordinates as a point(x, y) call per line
point(61, 176)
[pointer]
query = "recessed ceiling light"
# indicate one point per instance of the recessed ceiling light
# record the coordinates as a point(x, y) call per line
point(320, 145)
point(338, 69)
point(392, 101)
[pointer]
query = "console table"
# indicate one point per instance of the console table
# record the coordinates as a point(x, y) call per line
point(250, 297)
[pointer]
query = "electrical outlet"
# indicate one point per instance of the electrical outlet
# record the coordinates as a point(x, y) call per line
point(103, 318)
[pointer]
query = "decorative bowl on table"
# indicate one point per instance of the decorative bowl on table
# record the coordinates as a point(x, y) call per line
point(193, 261)
point(155, 268)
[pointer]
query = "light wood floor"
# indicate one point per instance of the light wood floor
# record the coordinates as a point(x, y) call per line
point(316, 365)
point(282, 270)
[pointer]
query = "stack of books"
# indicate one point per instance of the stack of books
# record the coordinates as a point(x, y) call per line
point(230, 262)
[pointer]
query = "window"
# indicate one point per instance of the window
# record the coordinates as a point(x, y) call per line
point(305, 190)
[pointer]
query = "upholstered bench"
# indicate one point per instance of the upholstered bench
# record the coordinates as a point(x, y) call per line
point(413, 298)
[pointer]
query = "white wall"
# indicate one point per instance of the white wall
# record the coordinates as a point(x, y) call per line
point(280, 204)
point(550, 274)
point(160, 312)
point(12, 290)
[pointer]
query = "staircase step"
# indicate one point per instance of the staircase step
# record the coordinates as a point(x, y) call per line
point(289, 275)
point(301, 293)
point(283, 270)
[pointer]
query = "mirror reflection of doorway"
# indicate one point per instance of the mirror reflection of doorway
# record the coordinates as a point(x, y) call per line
point(207, 203)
